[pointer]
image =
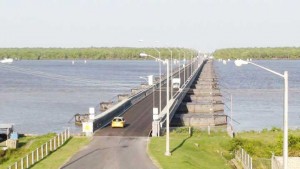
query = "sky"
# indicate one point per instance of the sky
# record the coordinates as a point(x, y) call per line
point(204, 25)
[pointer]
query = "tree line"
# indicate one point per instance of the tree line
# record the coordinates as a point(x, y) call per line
point(258, 53)
point(92, 53)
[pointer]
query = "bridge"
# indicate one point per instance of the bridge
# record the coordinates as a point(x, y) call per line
point(197, 102)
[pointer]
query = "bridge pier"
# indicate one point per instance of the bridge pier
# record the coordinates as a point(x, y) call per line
point(122, 97)
point(105, 105)
point(202, 105)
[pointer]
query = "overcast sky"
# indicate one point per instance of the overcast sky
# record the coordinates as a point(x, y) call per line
point(200, 24)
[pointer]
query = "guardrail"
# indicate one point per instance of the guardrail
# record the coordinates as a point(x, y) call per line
point(41, 152)
point(179, 96)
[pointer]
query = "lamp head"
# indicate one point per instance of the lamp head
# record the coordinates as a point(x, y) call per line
point(143, 55)
point(240, 62)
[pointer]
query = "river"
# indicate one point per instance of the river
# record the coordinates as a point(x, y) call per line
point(258, 94)
point(43, 96)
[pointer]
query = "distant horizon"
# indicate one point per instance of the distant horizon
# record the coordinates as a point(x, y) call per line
point(54, 47)
point(204, 25)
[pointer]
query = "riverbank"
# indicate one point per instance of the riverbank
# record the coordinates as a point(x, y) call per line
point(258, 53)
point(26, 144)
point(101, 53)
point(217, 149)
point(197, 151)
point(56, 159)
point(200, 150)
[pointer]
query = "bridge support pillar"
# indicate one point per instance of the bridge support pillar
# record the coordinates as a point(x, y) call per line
point(155, 128)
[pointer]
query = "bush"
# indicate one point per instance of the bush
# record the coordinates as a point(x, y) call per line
point(255, 148)
point(294, 145)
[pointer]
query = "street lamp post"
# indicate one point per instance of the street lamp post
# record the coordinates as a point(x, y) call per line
point(167, 153)
point(183, 67)
point(179, 67)
point(159, 78)
point(285, 113)
point(159, 75)
point(191, 63)
point(171, 71)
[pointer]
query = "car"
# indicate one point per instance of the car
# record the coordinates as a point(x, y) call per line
point(118, 122)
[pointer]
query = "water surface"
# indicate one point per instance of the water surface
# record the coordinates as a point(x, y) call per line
point(258, 94)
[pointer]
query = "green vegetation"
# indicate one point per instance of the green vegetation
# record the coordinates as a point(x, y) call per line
point(198, 151)
point(88, 53)
point(216, 150)
point(258, 53)
point(62, 155)
point(26, 145)
point(261, 145)
point(54, 160)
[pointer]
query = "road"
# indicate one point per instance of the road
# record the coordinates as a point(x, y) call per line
point(140, 116)
point(126, 148)
point(112, 153)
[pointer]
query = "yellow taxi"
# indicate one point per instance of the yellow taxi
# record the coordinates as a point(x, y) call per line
point(118, 122)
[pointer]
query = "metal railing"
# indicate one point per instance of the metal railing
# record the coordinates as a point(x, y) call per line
point(43, 151)
point(244, 158)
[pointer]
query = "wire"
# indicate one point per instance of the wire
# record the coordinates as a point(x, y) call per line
point(57, 76)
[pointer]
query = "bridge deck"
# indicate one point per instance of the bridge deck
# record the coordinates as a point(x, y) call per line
point(139, 117)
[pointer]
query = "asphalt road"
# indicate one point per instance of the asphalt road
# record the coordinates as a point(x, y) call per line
point(122, 148)
point(112, 153)
point(138, 119)
point(140, 116)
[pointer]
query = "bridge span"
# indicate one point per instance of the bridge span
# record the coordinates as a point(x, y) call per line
point(139, 117)
point(127, 147)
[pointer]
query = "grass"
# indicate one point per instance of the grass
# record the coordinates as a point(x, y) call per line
point(25, 146)
point(198, 151)
point(260, 145)
point(263, 143)
point(54, 160)
point(62, 155)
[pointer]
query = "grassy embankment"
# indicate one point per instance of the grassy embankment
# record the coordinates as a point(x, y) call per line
point(198, 151)
point(260, 145)
point(28, 144)
point(62, 155)
point(216, 150)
